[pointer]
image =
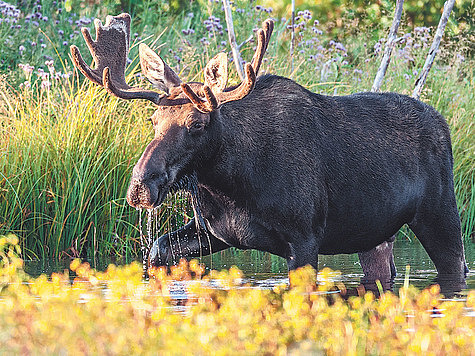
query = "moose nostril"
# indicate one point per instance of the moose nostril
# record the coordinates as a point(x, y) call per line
point(137, 193)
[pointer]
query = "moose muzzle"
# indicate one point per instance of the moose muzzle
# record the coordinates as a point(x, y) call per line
point(147, 193)
point(139, 194)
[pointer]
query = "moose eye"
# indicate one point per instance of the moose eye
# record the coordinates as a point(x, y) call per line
point(196, 127)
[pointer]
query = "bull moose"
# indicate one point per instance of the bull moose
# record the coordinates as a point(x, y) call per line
point(277, 168)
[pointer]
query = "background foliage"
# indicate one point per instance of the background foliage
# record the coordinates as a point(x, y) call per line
point(67, 148)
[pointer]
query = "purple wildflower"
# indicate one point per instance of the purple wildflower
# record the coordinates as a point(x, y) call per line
point(340, 47)
point(26, 84)
point(27, 69)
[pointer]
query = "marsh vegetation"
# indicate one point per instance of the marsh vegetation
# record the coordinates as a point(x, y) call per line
point(83, 311)
point(68, 148)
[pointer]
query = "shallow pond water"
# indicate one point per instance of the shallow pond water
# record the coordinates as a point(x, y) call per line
point(265, 270)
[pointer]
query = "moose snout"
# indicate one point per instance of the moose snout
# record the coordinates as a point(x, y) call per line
point(138, 194)
point(144, 190)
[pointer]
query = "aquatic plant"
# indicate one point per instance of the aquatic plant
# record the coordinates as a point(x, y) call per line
point(185, 311)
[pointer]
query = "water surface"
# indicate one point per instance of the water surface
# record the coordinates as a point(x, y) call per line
point(265, 270)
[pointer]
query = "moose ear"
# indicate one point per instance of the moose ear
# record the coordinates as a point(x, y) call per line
point(216, 73)
point(156, 70)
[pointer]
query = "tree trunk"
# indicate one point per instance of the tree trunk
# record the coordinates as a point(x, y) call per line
point(378, 80)
point(292, 39)
point(232, 39)
point(421, 80)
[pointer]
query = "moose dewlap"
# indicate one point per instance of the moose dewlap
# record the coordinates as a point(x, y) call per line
point(278, 168)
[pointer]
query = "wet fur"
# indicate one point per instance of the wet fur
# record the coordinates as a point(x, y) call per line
point(296, 174)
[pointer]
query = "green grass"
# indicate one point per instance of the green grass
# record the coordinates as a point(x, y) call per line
point(68, 151)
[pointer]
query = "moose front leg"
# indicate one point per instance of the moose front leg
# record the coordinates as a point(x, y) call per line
point(184, 242)
point(303, 252)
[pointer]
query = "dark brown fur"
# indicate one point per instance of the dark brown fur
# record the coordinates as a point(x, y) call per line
point(280, 169)
point(296, 174)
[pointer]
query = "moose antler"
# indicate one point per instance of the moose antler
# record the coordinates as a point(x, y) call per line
point(205, 106)
point(263, 38)
point(109, 51)
point(214, 101)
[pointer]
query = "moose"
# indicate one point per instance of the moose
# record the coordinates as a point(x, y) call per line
point(277, 168)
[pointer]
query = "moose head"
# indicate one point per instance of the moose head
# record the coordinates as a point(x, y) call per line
point(183, 122)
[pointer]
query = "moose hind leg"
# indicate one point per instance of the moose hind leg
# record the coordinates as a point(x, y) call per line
point(440, 234)
point(378, 264)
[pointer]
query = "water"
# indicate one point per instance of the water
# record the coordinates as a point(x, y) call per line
point(265, 270)
point(143, 244)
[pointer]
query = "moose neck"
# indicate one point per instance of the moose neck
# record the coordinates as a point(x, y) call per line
point(257, 143)
point(239, 134)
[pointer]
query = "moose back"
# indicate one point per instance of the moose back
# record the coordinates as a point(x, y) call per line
point(278, 168)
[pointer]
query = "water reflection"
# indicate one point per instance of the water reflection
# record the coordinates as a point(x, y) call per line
point(265, 271)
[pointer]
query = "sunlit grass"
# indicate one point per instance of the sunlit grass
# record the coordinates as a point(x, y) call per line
point(67, 169)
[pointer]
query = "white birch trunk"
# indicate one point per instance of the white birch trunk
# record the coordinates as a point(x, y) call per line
point(378, 80)
point(292, 39)
point(449, 4)
point(232, 39)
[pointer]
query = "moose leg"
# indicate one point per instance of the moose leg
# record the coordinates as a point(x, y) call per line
point(303, 251)
point(378, 264)
point(440, 234)
point(184, 242)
